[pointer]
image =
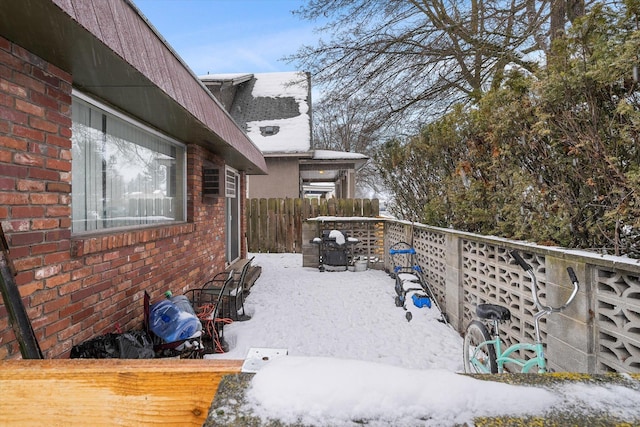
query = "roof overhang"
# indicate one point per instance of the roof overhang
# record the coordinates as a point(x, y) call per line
point(300, 155)
point(327, 172)
point(329, 166)
point(114, 53)
point(225, 79)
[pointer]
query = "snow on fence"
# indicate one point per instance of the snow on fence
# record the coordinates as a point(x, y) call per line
point(598, 333)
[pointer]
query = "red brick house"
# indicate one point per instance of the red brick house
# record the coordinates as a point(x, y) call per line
point(119, 171)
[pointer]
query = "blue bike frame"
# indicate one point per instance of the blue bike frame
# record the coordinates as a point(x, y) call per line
point(503, 358)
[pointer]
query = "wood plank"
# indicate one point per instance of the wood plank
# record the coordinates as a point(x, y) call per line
point(279, 242)
point(315, 209)
point(237, 265)
point(322, 208)
point(290, 230)
point(366, 208)
point(110, 392)
point(253, 228)
point(340, 206)
point(272, 226)
point(252, 275)
point(357, 207)
point(375, 208)
point(262, 215)
point(297, 224)
point(331, 207)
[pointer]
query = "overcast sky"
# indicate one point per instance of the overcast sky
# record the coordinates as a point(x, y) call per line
point(231, 36)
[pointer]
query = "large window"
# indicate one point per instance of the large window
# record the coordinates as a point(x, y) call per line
point(123, 173)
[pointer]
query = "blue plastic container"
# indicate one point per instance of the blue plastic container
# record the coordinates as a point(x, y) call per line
point(172, 324)
point(183, 303)
point(421, 301)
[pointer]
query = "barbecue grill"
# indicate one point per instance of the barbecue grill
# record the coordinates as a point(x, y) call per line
point(335, 250)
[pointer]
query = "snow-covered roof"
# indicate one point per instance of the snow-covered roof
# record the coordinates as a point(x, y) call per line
point(337, 155)
point(283, 84)
point(233, 78)
point(275, 111)
point(275, 133)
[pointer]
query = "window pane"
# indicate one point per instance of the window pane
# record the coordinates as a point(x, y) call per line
point(122, 175)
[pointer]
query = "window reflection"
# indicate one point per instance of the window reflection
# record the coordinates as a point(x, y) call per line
point(122, 175)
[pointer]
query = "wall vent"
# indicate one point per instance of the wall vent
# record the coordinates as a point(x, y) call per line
point(212, 184)
point(269, 130)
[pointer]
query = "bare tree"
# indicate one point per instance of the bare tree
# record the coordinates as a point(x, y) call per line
point(349, 125)
point(344, 125)
point(415, 58)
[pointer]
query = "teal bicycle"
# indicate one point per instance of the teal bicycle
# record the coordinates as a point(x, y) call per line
point(483, 348)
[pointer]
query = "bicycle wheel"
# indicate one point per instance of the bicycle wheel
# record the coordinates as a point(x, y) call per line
point(478, 360)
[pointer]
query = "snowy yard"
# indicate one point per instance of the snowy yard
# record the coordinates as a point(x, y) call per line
point(339, 314)
point(353, 358)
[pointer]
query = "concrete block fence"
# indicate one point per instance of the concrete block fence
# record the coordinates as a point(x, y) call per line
point(598, 333)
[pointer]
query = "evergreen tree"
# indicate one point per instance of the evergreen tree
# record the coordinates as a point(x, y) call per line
point(551, 158)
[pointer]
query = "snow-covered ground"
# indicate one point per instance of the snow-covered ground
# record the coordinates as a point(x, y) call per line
point(353, 356)
point(345, 314)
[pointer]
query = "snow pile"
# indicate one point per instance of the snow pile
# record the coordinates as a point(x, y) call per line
point(317, 391)
point(337, 236)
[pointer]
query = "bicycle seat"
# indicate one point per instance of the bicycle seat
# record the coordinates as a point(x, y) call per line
point(493, 312)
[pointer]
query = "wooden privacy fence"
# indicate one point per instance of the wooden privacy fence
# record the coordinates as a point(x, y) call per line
point(275, 225)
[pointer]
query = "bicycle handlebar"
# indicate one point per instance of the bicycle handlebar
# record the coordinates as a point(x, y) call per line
point(548, 309)
point(519, 260)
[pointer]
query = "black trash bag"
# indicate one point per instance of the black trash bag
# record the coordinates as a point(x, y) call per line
point(129, 345)
point(102, 347)
point(135, 345)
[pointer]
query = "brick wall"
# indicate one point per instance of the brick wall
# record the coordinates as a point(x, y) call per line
point(77, 288)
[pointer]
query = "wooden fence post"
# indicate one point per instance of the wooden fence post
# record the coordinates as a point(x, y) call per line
point(264, 225)
point(331, 207)
point(297, 224)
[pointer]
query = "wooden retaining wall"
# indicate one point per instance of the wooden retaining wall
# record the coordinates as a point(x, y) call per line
point(114, 392)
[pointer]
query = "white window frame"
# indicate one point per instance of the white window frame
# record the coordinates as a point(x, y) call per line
point(232, 206)
point(230, 176)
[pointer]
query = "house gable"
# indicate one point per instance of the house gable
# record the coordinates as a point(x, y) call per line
point(275, 111)
point(273, 108)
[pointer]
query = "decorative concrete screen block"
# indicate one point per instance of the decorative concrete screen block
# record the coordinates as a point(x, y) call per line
point(492, 276)
point(617, 299)
point(598, 333)
point(431, 250)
